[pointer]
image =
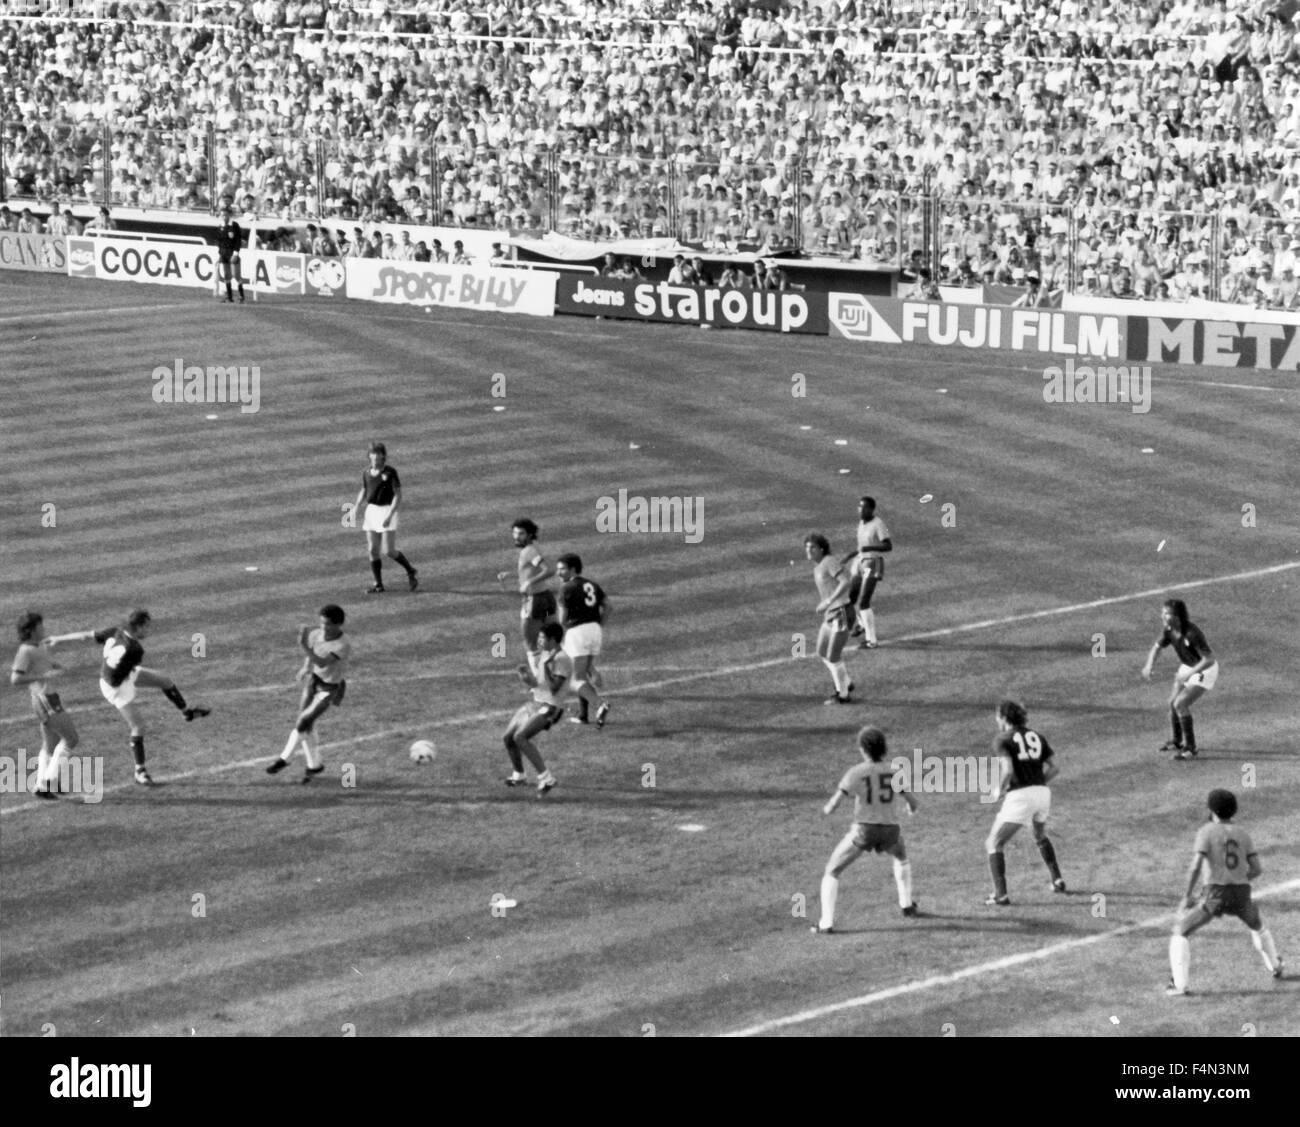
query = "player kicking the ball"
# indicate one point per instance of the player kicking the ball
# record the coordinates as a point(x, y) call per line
point(121, 674)
point(833, 586)
point(549, 673)
point(1221, 848)
point(871, 784)
point(325, 670)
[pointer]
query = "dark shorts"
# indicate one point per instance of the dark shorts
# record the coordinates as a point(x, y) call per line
point(876, 839)
point(46, 706)
point(333, 690)
point(540, 607)
point(837, 621)
point(1229, 900)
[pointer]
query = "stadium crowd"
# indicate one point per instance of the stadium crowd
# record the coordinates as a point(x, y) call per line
point(1152, 150)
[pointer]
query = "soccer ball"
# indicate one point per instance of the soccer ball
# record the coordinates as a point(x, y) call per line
point(423, 751)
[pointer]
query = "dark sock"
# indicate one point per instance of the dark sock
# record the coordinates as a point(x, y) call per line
point(377, 569)
point(174, 695)
point(1176, 726)
point(998, 867)
point(137, 750)
point(401, 559)
point(1049, 857)
point(1189, 734)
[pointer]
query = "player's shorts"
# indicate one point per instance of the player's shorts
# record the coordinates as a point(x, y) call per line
point(1026, 805)
point(863, 838)
point(46, 705)
point(331, 690)
point(375, 517)
point(1230, 900)
point(540, 606)
point(1205, 679)
point(871, 566)
point(535, 708)
point(837, 620)
point(583, 640)
point(123, 694)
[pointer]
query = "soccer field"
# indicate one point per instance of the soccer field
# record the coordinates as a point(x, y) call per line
point(228, 902)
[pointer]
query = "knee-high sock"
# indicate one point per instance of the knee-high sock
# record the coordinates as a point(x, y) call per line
point(1189, 732)
point(377, 570)
point(903, 878)
point(1180, 960)
point(1263, 941)
point(516, 760)
point(42, 764)
point(401, 559)
point(313, 760)
point(294, 737)
point(839, 674)
point(1176, 726)
point(1049, 857)
point(869, 624)
point(830, 893)
point(137, 750)
point(998, 868)
point(173, 694)
point(52, 768)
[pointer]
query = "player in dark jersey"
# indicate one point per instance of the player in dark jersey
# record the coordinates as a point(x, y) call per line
point(381, 494)
point(121, 673)
point(1027, 768)
point(583, 610)
point(1221, 849)
point(229, 242)
point(1197, 672)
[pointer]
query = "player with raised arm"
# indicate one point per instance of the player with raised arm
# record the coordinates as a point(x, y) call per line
point(1027, 768)
point(325, 672)
point(1197, 672)
point(873, 787)
point(381, 494)
point(832, 580)
point(1221, 850)
point(583, 608)
point(538, 606)
point(549, 673)
point(120, 675)
point(873, 542)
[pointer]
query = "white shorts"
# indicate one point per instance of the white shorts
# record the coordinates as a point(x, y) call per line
point(1025, 805)
point(584, 640)
point(375, 517)
point(123, 694)
point(1204, 679)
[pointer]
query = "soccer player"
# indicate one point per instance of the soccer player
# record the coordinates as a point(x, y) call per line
point(549, 673)
point(229, 242)
point(833, 585)
point(1027, 768)
point(121, 673)
point(583, 609)
point(538, 607)
point(1197, 673)
point(1218, 854)
point(325, 671)
point(33, 667)
point(873, 542)
point(381, 494)
point(871, 784)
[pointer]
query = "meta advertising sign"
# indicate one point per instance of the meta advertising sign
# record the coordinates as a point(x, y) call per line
point(452, 287)
point(890, 321)
point(45, 254)
point(775, 311)
point(1216, 344)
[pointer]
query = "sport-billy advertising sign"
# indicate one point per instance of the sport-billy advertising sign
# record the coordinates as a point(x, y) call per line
point(452, 287)
point(1215, 344)
point(890, 321)
point(774, 310)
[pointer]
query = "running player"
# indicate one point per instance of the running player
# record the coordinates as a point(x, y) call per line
point(1027, 768)
point(549, 673)
point(1197, 673)
point(583, 609)
point(873, 542)
point(33, 667)
point(381, 494)
point(120, 675)
point(325, 671)
point(872, 786)
point(833, 586)
point(229, 241)
point(538, 606)
point(1220, 849)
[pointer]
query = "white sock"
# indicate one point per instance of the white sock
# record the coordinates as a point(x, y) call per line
point(313, 761)
point(903, 878)
point(42, 766)
point(830, 893)
point(840, 672)
point(287, 753)
point(517, 776)
point(546, 776)
point(1180, 960)
point(52, 770)
point(1263, 941)
point(869, 624)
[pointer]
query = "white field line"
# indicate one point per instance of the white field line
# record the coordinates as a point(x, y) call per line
point(687, 678)
point(931, 983)
point(47, 315)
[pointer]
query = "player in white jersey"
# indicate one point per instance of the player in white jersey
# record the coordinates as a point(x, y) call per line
point(873, 785)
point(549, 673)
point(325, 670)
point(873, 542)
point(832, 581)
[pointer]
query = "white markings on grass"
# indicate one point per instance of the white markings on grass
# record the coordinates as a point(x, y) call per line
point(926, 498)
point(689, 678)
point(45, 315)
point(691, 828)
point(918, 985)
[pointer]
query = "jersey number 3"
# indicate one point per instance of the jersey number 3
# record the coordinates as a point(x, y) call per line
point(589, 594)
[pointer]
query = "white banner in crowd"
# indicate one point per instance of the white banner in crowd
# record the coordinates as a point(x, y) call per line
point(452, 287)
